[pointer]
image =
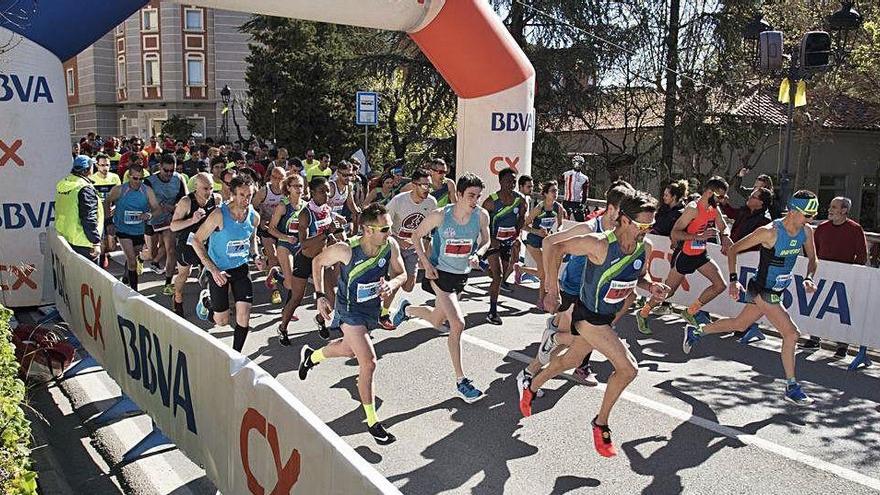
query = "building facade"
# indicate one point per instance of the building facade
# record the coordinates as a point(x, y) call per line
point(167, 59)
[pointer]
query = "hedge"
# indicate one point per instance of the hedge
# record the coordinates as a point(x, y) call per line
point(15, 430)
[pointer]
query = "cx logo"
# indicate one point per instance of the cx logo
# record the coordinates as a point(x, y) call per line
point(94, 305)
point(287, 474)
point(22, 276)
point(10, 152)
point(499, 163)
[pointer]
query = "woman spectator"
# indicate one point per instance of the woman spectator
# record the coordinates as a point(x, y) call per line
point(671, 208)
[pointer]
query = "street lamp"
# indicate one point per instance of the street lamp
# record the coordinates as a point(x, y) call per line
point(816, 52)
point(224, 97)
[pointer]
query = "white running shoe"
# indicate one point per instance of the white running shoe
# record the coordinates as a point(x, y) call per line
point(547, 344)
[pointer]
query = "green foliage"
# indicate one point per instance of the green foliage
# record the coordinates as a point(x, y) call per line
point(178, 127)
point(15, 430)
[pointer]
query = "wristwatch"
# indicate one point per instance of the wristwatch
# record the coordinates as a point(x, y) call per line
point(319, 295)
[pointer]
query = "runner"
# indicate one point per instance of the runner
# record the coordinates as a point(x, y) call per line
point(781, 242)
point(341, 196)
point(507, 211)
point(284, 226)
point(541, 222)
point(700, 221)
point(190, 213)
point(616, 264)
point(104, 182)
point(454, 244)
point(169, 188)
point(383, 193)
point(558, 330)
point(365, 262)
point(229, 232)
point(442, 187)
point(134, 204)
point(408, 210)
point(265, 201)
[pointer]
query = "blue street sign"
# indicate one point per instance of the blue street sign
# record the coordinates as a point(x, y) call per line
point(367, 108)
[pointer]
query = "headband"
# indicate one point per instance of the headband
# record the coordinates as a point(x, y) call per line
point(807, 206)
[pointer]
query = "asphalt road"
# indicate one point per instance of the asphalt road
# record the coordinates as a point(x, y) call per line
point(712, 422)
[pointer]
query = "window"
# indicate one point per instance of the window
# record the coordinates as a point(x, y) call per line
point(71, 82)
point(120, 29)
point(121, 77)
point(192, 20)
point(869, 210)
point(151, 70)
point(123, 126)
point(830, 186)
point(71, 118)
point(195, 70)
point(150, 20)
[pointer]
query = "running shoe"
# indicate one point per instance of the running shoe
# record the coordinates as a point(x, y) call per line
point(203, 306)
point(139, 267)
point(547, 344)
point(124, 279)
point(305, 361)
point(691, 319)
point(493, 318)
point(386, 323)
point(178, 308)
point(204, 276)
point(276, 296)
point(157, 268)
point(525, 400)
point(270, 278)
point(168, 290)
point(323, 331)
point(400, 316)
point(811, 343)
point(523, 380)
point(642, 324)
point(795, 395)
point(506, 286)
point(283, 339)
point(381, 435)
point(584, 376)
point(691, 337)
point(602, 440)
point(841, 351)
point(467, 391)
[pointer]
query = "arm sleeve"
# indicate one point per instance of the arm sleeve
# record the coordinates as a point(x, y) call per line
point(88, 214)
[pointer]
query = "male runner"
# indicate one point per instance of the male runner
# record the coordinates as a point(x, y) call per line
point(169, 188)
point(230, 233)
point(265, 201)
point(781, 242)
point(408, 210)
point(700, 221)
point(507, 211)
point(363, 280)
point(190, 213)
point(442, 187)
point(616, 264)
point(104, 182)
point(454, 243)
point(341, 197)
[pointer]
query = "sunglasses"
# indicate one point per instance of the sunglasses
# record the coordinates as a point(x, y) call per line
point(643, 227)
point(168, 170)
point(135, 178)
point(381, 228)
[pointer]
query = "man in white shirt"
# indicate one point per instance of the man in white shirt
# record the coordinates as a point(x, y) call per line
point(576, 185)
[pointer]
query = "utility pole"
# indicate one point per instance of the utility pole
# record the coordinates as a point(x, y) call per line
point(670, 111)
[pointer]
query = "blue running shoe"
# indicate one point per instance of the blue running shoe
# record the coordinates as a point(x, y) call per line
point(400, 316)
point(691, 337)
point(203, 306)
point(468, 392)
point(795, 395)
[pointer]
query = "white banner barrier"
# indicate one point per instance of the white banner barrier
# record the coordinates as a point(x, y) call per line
point(841, 309)
point(227, 414)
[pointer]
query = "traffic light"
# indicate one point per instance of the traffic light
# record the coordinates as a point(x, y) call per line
point(816, 50)
point(770, 51)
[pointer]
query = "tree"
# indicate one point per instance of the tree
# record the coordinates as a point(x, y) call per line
point(178, 127)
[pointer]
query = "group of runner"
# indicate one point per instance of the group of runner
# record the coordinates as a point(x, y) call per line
point(296, 231)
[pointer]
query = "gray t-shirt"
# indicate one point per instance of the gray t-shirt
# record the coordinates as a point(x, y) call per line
point(406, 215)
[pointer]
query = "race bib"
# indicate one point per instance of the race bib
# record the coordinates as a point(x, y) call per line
point(548, 223)
point(366, 292)
point(618, 290)
point(191, 239)
point(238, 249)
point(506, 233)
point(698, 245)
point(782, 281)
point(292, 225)
point(132, 217)
point(405, 233)
point(337, 208)
point(323, 222)
point(457, 248)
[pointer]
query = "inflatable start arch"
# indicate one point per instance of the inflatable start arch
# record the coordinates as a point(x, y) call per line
point(464, 39)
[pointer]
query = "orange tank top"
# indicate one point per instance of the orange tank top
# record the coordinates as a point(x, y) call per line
point(705, 219)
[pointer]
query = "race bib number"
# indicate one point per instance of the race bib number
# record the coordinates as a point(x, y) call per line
point(337, 209)
point(698, 245)
point(506, 233)
point(132, 217)
point(238, 249)
point(321, 223)
point(782, 281)
point(619, 290)
point(548, 223)
point(458, 248)
point(366, 292)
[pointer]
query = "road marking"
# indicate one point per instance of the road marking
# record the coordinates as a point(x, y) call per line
point(727, 431)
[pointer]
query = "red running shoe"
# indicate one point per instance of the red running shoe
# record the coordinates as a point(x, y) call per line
point(386, 323)
point(270, 278)
point(525, 403)
point(602, 440)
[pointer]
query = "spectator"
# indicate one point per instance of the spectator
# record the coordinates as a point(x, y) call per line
point(763, 180)
point(842, 240)
point(671, 207)
point(79, 214)
point(577, 186)
point(749, 217)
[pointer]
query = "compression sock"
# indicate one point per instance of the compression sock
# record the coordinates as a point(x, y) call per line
point(370, 411)
point(133, 280)
point(239, 337)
